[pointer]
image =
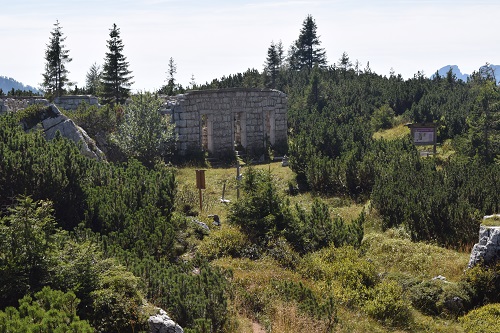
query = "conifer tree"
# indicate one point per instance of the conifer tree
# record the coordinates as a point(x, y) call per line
point(56, 57)
point(116, 78)
point(93, 79)
point(273, 63)
point(305, 52)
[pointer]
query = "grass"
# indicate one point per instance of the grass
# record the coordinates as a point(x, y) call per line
point(493, 221)
point(405, 258)
point(397, 132)
point(254, 298)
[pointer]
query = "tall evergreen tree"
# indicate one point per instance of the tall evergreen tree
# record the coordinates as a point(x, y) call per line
point(116, 78)
point(272, 64)
point(56, 57)
point(93, 79)
point(305, 53)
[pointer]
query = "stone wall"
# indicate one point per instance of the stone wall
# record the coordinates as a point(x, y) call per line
point(14, 104)
point(220, 120)
point(71, 102)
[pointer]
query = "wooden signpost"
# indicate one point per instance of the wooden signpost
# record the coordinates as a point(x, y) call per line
point(200, 185)
point(424, 134)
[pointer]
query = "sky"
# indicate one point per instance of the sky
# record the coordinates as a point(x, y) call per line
point(211, 39)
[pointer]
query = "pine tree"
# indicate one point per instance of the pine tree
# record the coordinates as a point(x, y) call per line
point(56, 57)
point(305, 53)
point(116, 78)
point(93, 79)
point(273, 64)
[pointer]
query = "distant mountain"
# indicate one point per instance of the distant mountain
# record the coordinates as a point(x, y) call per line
point(7, 83)
point(464, 77)
point(455, 70)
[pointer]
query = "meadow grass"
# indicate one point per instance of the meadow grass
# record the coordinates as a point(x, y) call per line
point(254, 297)
point(397, 132)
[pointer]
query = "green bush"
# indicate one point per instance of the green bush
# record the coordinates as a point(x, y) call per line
point(51, 311)
point(117, 300)
point(455, 299)
point(345, 268)
point(387, 304)
point(482, 320)
point(484, 283)
point(226, 241)
point(425, 296)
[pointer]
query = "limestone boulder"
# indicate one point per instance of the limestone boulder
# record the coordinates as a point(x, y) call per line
point(487, 250)
point(161, 323)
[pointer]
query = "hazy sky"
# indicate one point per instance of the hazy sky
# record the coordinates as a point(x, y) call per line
point(209, 39)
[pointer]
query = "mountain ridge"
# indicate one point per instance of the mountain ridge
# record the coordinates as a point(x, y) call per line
point(443, 71)
point(8, 83)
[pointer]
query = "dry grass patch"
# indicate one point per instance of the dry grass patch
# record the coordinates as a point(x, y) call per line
point(397, 132)
point(418, 260)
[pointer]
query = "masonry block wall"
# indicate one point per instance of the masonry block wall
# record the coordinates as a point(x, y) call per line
point(71, 102)
point(220, 120)
point(14, 104)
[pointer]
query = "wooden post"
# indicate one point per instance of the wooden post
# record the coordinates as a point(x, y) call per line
point(200, 184)
point(238, 178)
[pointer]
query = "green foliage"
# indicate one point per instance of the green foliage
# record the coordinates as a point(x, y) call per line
point(145, 134)
point(387, 304)
point(307, 301)
point(51, 311)
point(190, 295)
point(56, 57)
point(483, 137)
point(436, 204)
point(93, 80)
point(44, 170)
point(306, 52)
point(382, 118)
point(352, 274)
point(32, 115)
point(226, 241)
point(262, 211)
point(117, 301)
point(485, 284)
point(316, 229)
point(133, 207)
point(26, 235)
point(273, 64)
point(116, 77)
point(425, 296)
point(96, 120)
point(484, 319)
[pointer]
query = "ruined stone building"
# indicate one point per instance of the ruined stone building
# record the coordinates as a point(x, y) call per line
point(216, 121)
point(221, 121)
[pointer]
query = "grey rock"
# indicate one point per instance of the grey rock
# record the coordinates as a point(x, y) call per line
point(161, 323)
point(487, 250)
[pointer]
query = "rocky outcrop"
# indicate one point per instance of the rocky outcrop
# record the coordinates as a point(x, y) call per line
point(52, 121)
point(161, 323)
point(68, 129)
point(487, 251)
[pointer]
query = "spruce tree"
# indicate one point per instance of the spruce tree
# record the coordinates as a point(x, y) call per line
point(306, 53)
point(93, 80)
point(273, 64)
point(56, 57)
point(116, 78)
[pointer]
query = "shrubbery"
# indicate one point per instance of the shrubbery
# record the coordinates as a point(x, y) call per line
point(484, 319)
point(386, 303)
point(49, 311)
